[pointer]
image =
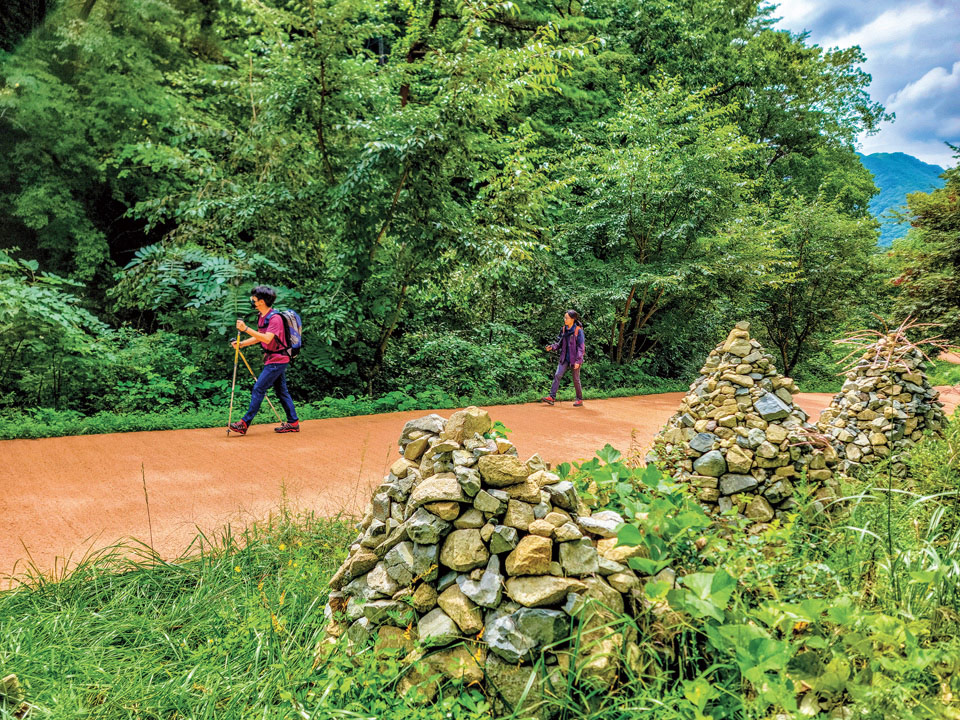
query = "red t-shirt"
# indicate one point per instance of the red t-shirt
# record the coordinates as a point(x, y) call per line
point(273, 325)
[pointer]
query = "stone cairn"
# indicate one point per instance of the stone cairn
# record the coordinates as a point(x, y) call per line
point(474, 564)
point(740, 440)
point(884, 407)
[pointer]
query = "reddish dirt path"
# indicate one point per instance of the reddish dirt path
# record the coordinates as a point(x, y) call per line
point(60, 497)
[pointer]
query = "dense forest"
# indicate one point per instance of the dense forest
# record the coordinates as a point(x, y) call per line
point(431, 185)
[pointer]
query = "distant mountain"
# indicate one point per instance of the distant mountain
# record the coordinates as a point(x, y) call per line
point(897, 174)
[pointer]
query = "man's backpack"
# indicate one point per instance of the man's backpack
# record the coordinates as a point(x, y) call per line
point(292, 331)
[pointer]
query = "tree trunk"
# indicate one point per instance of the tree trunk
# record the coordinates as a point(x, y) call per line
point(623, 323)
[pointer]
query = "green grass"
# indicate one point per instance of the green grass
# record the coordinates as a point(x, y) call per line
point(944, 373)
point(40, 423)
point(229, 633)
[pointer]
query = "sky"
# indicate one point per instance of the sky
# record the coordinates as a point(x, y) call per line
point(913, 55)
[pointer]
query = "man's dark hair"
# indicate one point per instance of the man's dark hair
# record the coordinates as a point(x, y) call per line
point(265, 293)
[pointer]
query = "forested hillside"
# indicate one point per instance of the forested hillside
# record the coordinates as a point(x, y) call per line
point(896, 175)
point(430, 184)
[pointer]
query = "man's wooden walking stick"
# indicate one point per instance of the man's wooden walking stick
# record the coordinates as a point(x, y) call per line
point(233, 386)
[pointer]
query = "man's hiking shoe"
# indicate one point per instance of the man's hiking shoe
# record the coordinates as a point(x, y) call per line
point(578, 403)
point(239, 427)
point(288, 427)
point(548, 400)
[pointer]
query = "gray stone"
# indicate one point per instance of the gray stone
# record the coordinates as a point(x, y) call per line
point(425, 561)
point(539, 590)
point(609, 567)
point(360, 589)
point(504, 539)
point(770, 407)
point(488, 503)
point(464, 550)
point(687, 420)
point(399, 563)
point(472, 518)
point(702, 442)
point(464, 458)
point(779, 491)
point(446, 580)
point(603, 523)
point(732, 483)
point(522, 634)
point(563, 494)
point(487, 590)
point(388, 612)
point(360, 632)
point(541, 510)
point(380, 506)
point(426, 528)
point(427, 424)
point(579, 557)
point(437, 628)
point(711, 464)
point(502, 470)
point(469, 479)
point(381, 582)
point(438, 488)
point(567, 532)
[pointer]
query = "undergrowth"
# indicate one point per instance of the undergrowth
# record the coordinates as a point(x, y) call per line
point(45, 422)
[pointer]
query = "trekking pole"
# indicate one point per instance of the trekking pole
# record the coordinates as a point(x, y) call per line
point(275, 413)
point(233, 386)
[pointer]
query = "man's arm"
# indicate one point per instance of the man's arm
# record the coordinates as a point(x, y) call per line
point(255, 335)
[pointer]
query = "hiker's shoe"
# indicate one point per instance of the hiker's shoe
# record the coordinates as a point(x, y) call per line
point(548, 400)
point(239, 427)
point(578, 403)
point(288, 427)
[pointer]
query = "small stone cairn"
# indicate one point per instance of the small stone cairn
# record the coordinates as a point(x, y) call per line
point(738, 437)
point(885, 406)
point(474, 564)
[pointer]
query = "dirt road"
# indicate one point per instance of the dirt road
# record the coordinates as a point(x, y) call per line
point(60, 497)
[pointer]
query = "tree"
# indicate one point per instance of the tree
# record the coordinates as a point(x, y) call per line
point(834, 282)
point(929, 257)
point(658, 218)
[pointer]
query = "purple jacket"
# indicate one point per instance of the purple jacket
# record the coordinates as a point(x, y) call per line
point(572, 348)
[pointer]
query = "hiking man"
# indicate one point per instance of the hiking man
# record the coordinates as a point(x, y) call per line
point(271, 335)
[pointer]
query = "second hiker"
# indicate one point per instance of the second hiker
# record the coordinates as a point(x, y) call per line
point(570, 343)
point(271, 335)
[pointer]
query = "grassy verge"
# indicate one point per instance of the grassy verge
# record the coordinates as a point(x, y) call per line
point(944, 373)
point(42, 423)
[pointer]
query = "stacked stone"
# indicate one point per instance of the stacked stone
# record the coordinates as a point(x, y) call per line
point(885, 406)
point(738, 437)
point(476, 562)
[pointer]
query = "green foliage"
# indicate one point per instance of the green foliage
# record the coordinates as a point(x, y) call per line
point(427, 181)
point(834, 283)
point(929, 258)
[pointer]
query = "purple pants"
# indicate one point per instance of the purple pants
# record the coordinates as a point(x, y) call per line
point(561, 370)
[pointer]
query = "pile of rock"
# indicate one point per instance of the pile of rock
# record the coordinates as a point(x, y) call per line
point(884, 407)
point(475, 564)
point(738, 437)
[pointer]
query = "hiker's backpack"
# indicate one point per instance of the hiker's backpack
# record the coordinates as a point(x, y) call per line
point(292, 331)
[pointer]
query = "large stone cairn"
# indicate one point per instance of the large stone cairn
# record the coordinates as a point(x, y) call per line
point(738, 437)
point(474, 564)
point(884, 407)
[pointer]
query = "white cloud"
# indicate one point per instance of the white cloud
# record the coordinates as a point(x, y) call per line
point(794, 13)
point(933, 85)
point(913, 56)
point(891, 27)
